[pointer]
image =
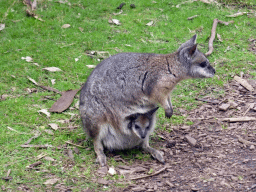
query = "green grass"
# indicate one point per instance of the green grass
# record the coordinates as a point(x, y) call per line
point(50, 45)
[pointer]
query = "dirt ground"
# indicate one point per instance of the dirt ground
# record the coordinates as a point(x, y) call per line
point(213, 154)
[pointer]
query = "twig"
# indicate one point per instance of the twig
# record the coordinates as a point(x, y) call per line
point(37, 146)
point(74, 144)
point(156, 173)
point(17, 131)
point(34, 137)
point(241, 140)
point(213, 33)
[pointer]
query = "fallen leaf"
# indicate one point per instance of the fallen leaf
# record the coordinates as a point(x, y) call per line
point(49, 131)
point(28, 59)
point(32, 80)
point(150, 23)
point(112, 171)
point(219, 37)
point(51, 181)
point(114, 21)
point(81, 29)
point(64, 101)
point(36, 64)
point(49, 158)
point(244, 83)
point(54, 126)
point(44, 111)
point(52, 69)
point(33, 5)
point(53, 81)
point(70, 154)
point(91, 66)
point(65, 26)
point(2, 26)
point(102, 181)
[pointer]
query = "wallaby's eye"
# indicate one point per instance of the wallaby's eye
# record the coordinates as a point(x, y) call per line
point(137, 127)
point(147, 127)
point(203, 64)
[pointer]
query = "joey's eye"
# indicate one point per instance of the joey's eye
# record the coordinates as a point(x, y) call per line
point(203, 64)
point(137, 127)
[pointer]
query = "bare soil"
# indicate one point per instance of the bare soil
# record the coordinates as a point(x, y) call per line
point(211, 155)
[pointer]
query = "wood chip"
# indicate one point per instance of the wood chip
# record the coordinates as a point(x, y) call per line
point(244, 83)
point(102, 181)
point(224, 106)
point(51, 181)
point(191, 140)
point(36, 164)
point(64, 101)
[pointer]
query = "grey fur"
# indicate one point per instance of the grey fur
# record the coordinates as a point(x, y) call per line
point(135, 83)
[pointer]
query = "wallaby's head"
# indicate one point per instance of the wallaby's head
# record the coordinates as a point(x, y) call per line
point(141, 124)
point(196, 63)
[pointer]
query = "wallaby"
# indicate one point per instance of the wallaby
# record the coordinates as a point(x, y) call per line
point(135, 83)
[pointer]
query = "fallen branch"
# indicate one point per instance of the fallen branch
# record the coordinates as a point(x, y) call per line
point(238, 119)
point(213, 33)
point(156, 173)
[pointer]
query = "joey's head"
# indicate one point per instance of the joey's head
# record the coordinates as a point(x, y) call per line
point(141, 124)
point(195, 62)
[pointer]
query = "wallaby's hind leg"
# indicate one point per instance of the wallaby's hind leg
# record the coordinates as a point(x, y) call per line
point(159, 155)
point(99, 150)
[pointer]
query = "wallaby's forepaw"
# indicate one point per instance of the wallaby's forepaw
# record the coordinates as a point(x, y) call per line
point(159, 155)
point(168, 113)
point(102, 160)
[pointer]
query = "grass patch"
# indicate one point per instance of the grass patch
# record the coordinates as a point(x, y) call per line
point(51, 45)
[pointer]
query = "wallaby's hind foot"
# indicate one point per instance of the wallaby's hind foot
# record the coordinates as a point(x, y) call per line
point(99, 150)
point(102, 160)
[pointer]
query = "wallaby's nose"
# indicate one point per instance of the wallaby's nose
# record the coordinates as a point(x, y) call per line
point(143, 136)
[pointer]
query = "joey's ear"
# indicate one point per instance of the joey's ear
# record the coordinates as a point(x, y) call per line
point(192, 50)
point(132, 117)
point(150, 113)
point(189, 43)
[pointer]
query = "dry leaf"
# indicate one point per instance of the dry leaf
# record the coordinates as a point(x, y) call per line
point(53, 81)
point(33, 5)
point(49, 131)
point(65, 26)
point(112, 171)
point(81, 29)
point(150, 23)
point(219, 37)
point(91, 66)
point(44, 111)
point(54, 126)
point(36, 64)
point(52, 69)
point(32, 80)
point(49, 158)
point(51, 181)
point(64, 101)
point(114, 21)
point(28, 59)
point(244, 83)
point(2, 26)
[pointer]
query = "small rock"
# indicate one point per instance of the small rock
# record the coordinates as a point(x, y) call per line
point(102, 181)
point(252, 147)
point(224, 106)
point(103, 170)
point(191, 140)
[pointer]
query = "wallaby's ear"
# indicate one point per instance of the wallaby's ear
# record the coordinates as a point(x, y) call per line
point(189, 43)
point(192, 50)
point(150, 113)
